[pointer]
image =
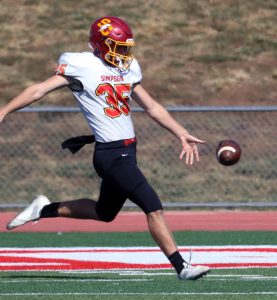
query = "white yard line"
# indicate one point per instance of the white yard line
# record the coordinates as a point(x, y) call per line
point(3, 280)
point(139, 294)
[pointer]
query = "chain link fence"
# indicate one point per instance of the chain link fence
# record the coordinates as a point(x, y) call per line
point(32, 161)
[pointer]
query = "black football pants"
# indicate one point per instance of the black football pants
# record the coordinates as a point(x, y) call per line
point(116, 164)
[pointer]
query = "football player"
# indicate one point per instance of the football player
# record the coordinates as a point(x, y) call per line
point(103, 82)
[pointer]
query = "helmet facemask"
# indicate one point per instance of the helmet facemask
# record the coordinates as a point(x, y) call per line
point(112, 40)
point(119, 53)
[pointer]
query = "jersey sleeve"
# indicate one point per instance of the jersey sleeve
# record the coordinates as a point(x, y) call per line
point(136, 71)
point(67, 65)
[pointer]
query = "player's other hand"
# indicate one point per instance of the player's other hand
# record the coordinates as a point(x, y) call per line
point(189, 148)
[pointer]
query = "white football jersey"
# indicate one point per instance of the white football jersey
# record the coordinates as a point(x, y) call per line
point(105, 96)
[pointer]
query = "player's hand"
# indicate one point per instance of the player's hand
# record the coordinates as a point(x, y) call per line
point(189, 149)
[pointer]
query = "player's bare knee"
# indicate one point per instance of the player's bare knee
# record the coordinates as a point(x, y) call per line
point(155, 214)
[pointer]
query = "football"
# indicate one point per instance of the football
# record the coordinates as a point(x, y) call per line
point(228, 152)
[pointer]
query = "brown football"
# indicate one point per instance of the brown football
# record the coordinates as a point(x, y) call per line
point(228, 152)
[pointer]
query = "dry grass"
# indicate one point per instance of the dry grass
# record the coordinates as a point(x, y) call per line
point(203, 52)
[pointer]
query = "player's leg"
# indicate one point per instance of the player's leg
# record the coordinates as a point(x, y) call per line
point(146, 198)
point(129, 179)
point(105, 209)
point(111, 200)
point(165, 240)
point(42, 208)
point(160, 232)
point(162, 235)
point(79, 209)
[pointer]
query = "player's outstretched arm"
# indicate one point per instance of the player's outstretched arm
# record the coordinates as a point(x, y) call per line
point(158, 113)
point(33, 93)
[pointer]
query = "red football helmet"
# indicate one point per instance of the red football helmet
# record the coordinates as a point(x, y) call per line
point(112, 38)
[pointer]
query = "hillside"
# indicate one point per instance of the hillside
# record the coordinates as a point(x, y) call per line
point(193, 52)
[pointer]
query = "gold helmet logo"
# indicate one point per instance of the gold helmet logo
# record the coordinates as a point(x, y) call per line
point(105, 26)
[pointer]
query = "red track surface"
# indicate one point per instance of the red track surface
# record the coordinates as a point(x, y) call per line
point(177, 220)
